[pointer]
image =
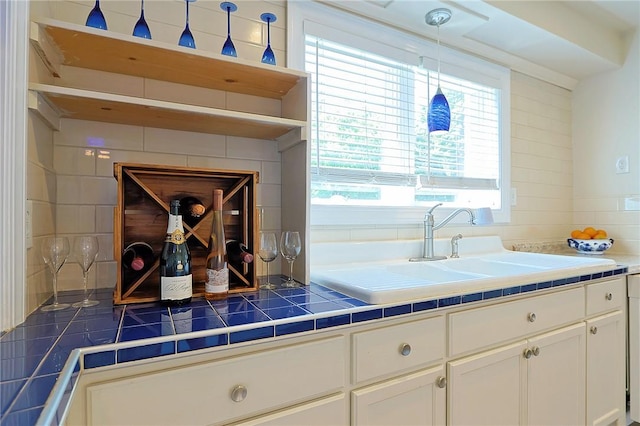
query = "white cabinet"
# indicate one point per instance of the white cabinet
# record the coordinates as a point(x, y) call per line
point(535, 381)
point(225, 390)
point(327, 411)
point(415, 399)
point(606, 354)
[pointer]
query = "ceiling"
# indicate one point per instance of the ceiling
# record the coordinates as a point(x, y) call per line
point(558, 41)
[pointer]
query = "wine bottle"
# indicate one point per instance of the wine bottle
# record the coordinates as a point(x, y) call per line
point(192, 210)
point(175, 262)
point(238, 252)
point(217, 285)
point(137, 256)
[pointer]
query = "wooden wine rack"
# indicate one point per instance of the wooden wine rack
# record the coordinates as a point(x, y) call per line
point(144, 194)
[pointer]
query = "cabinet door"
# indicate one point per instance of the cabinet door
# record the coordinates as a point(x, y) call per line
point(606, 370)
point(556, 378)
point(414, 399)
point(488, 388)
point(327, 411)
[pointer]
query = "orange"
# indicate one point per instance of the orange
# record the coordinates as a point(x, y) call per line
point(583, 236)
point(600, 236)
point(575, 233)
point(603, 232)
point(590, 231)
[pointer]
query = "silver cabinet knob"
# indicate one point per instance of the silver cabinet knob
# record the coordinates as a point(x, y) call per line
point(238, 393)
point(593, 329)
point(531, 317)
point(528, 353)
point(608, 296)
point(405, 349)
point(535, 351)
point(441, 382)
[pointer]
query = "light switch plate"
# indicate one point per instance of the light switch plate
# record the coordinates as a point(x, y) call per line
point(622, 164)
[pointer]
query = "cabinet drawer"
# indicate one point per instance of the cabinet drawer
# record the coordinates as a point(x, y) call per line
point(605, 296)
point(397, 348)
point(223, 390)
point(482, 327)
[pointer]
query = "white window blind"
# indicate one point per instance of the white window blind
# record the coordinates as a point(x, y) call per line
point(369, 143)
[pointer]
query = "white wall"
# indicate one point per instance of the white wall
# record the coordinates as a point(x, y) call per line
point(606, 125)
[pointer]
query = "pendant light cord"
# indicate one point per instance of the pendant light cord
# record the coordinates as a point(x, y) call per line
point(438, 53)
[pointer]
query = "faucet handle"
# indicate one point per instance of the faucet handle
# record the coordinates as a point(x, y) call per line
point(433, 208)
point(454, 246)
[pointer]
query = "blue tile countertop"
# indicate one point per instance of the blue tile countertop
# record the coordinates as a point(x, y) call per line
point(51, 348)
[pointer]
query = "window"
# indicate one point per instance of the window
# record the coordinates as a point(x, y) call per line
point(370, 150)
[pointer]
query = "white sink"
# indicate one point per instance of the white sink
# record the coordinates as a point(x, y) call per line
point(483, 265)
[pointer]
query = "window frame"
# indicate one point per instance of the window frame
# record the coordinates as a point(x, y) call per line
point(357, 31)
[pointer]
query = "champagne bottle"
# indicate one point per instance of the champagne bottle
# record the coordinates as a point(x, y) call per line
point(137, 256)
point(175, 262)
point(238, 252)
point(217, 285)
point(192, 210)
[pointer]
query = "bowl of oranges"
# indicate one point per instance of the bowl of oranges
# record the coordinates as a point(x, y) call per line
point(590, 240)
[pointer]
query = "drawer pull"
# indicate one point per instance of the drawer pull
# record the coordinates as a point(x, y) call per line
point(441, 382)
point(535, 351)
point(528, 353)
point(238, 393)
point(608, 296)
point(405, 349)
point(531, 317)
point(594, 329)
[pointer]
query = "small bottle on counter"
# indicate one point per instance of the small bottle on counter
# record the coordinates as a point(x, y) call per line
point(216, 286)
point(176, 286)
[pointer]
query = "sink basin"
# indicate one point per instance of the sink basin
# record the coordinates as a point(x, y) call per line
point(396, 280)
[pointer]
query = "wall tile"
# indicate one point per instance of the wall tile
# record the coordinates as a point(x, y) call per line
point(177, 142)
point(224, 163)
point(75, 161)
point(86, 190)
point(104, 218)
point(99, 135)
point(172, 92)
point(100, 81)
point(271, 172)
point(75, 219)
point(254, 149)
point(105, 161)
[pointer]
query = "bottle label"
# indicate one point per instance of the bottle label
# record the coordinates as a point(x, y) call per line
point(176, 288)
point(217, 281)
point(176, 237)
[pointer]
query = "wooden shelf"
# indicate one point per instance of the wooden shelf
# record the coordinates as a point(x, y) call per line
point(86, 47)
point(61, 43)
point(98, 106)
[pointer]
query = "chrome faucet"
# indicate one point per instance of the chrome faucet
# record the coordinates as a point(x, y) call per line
point(454, 245)
point(430, 226)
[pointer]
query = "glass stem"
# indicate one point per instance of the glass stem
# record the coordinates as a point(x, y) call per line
point(268, 280)
point(291, 270)
point(84, 282)
point(55, 288)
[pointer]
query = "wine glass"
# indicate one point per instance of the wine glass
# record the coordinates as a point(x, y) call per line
point(96, 18)
point(268, 251)
point(54, 252)
point(228, 48)
point(290, 248)
point(268, 57)
point(186, 39)
point(141, 28)
point(85, 250)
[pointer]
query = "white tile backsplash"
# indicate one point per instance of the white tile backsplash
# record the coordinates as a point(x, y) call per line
point(189, 143)
point(87, 190)
point(75, 219)
point(75, 161)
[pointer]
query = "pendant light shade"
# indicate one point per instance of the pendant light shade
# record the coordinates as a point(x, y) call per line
point(439, 114)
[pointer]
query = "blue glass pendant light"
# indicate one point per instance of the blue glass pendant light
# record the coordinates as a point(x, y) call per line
point(439, 114)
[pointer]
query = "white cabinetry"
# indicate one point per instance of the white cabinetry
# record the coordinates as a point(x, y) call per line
point(534, 381)
point(606, 353)
point(413, 399)
point(417, 398)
